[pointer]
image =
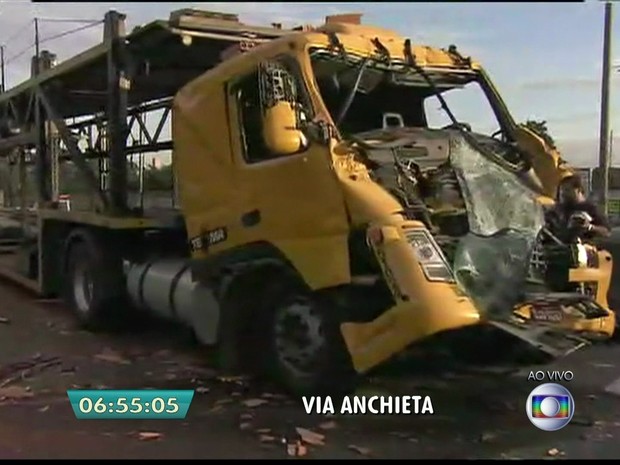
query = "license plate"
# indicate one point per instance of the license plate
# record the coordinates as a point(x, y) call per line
point(550, 315)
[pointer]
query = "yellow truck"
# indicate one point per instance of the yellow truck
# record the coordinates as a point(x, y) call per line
point(286, 250)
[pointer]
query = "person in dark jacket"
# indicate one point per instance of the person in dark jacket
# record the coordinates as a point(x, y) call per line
point(574, 216)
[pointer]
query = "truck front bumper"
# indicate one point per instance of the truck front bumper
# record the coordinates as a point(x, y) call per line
point(422, 307)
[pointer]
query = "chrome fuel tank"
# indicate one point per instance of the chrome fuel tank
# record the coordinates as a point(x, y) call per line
point(165, 287)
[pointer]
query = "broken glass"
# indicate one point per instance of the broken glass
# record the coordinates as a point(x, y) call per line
point(492, 261)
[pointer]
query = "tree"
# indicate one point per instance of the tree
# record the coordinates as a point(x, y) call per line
point(540, 129)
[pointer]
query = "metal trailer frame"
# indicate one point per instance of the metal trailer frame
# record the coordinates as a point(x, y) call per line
point(110, 87)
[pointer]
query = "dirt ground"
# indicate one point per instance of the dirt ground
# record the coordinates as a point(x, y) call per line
point(478, 413)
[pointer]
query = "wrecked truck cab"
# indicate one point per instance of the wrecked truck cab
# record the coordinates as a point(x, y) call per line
point(502, 183)
point(339, 275)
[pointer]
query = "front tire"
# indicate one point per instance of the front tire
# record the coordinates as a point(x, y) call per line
point(304, 346)
point(277, 330)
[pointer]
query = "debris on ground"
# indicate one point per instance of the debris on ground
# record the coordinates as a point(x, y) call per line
point(297, 449)
point(603, 365)
point(268, 395)
point(310, 437)
point(293, 442)
point(360, 450)
point(231, 379)
point(43, 409)
point(162, 353)
point(254, 402)
point(554, 452)
point(201, 390)
point(67, 370)
point(4, 321)
point(15, 392)
point(20, 370)
point(328, 425)
point(487, 437)
point(509, 457)
point(266, 438)
point(223, 402)
point(108, 355)
point(582, 421)
point(149, 436)
point(613, 387)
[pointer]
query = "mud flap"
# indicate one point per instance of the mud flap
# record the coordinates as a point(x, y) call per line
point(554, 342)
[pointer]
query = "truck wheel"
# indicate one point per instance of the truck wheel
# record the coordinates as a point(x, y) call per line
point(94, 284)
point(305, 350)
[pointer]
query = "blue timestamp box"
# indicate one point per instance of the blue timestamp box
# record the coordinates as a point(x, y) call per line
point(124, 404)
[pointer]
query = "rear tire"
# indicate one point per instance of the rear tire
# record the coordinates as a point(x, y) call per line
point(94, 283)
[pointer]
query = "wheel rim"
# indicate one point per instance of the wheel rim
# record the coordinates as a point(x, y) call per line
point(299, 337)
point(82, 288)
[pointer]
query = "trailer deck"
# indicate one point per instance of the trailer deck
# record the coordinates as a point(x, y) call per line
point(113, 85)
point(86, 111)
point(158, 61)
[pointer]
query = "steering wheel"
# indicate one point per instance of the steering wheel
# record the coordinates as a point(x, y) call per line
point(465, 126)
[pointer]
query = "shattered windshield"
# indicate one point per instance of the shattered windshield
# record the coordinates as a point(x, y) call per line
point(492, 261)
point(387, 95)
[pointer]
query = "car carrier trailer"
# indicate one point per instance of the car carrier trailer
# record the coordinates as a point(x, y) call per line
point(284, 250)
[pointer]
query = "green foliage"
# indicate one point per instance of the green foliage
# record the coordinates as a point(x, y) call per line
point(155, 179)
point(159, 179)
point(539, 127)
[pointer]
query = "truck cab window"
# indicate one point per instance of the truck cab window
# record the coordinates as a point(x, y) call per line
point(250, 115)
point(468, 103)
point(401, 94)
point(251, 103)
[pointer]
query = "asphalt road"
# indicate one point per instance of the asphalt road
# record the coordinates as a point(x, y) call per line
point(478, 413)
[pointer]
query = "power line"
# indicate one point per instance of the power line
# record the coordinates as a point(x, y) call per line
point(66, 20)
point(70, 31)
point(19, 32)
point(18, 55)
point(50, 38)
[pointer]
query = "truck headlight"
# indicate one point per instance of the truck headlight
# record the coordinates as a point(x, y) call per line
point(430, 256)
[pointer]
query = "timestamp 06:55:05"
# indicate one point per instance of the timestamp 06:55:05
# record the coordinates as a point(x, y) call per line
point(121, 404)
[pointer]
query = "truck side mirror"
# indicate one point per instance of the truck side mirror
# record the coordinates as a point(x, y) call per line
point(282, 120)
point(280, 131)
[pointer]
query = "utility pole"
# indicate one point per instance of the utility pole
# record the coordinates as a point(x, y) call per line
point(603, 158)
point(36, 46)
point(611, 147)
point(2, 76)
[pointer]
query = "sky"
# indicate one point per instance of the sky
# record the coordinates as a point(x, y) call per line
point(545, 58)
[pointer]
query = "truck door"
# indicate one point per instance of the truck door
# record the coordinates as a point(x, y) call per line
point(293, 202)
